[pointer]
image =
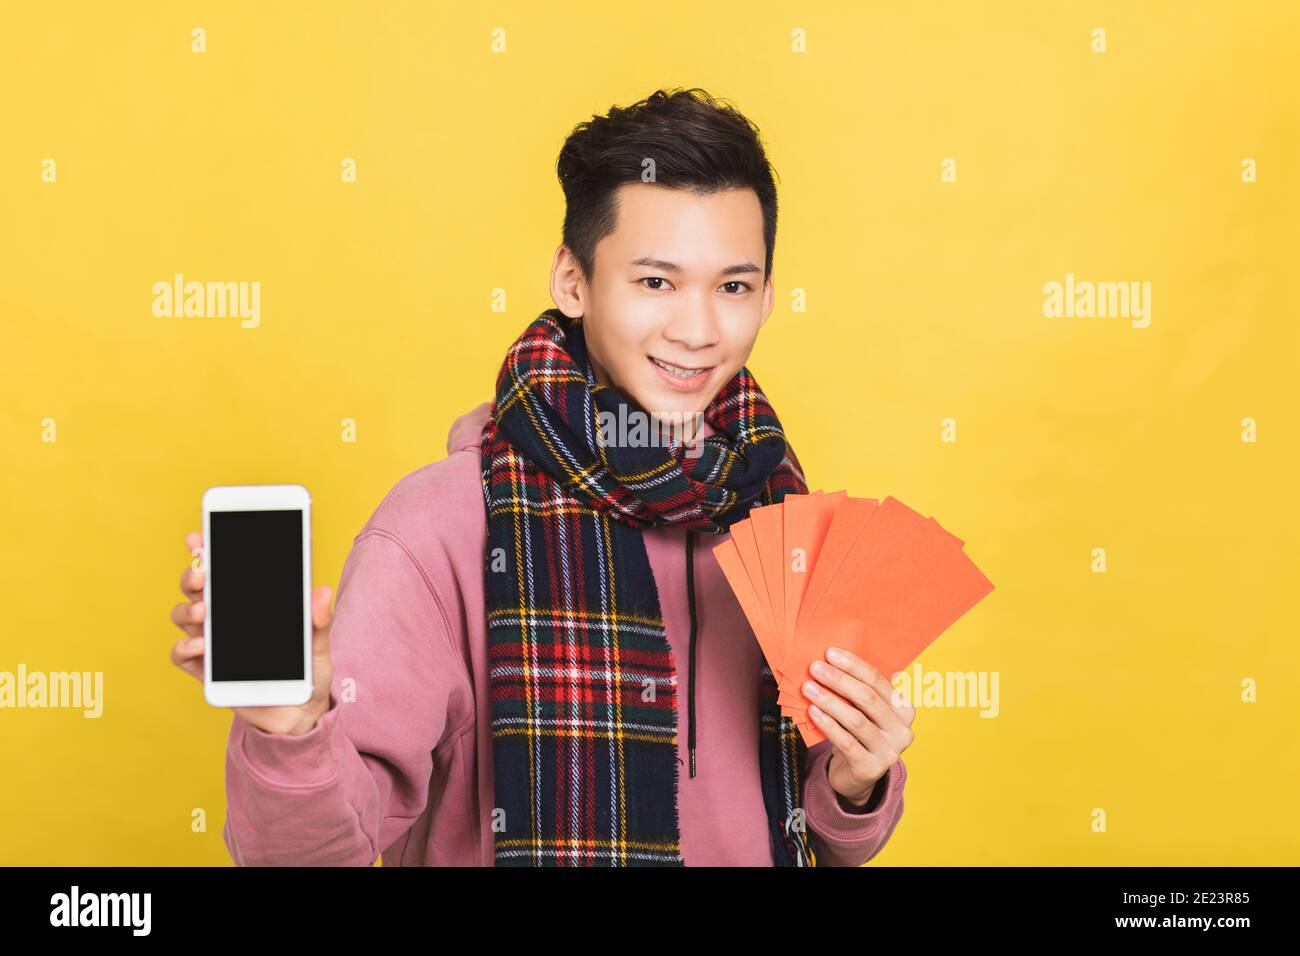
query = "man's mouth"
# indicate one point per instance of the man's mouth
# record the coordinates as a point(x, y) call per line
point(679, 371)
point(682, 378)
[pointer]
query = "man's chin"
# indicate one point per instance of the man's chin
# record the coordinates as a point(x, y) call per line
point(670, 409)
point(674, 405)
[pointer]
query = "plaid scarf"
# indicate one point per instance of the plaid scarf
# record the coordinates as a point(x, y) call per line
point(583, 684)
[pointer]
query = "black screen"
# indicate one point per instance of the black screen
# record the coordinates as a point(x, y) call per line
point(256, 599)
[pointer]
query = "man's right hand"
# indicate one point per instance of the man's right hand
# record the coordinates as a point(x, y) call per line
point(187, 654)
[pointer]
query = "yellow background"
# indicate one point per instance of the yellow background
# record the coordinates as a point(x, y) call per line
point(1119, 690)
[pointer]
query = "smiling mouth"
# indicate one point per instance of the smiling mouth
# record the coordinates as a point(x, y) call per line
point(680, 371)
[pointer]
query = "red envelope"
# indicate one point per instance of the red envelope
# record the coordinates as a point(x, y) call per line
point(889, 524)
point(817, 571)
point(807, 520)
point(733, 569)
point(914, 593)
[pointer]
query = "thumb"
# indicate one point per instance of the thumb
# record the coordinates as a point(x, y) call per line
point(320, 607)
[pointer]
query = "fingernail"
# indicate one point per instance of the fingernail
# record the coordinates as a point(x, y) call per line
point(811, 689)
point(820, 669)
point(836, 655)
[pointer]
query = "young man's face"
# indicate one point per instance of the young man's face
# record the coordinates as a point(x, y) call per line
point(677, 298)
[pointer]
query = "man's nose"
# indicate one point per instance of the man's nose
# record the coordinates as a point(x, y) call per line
point(693, 327)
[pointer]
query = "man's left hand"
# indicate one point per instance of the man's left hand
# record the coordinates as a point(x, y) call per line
point(867, 723)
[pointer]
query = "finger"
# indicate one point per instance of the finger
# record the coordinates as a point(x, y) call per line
point(863, 695)
point(187, 650)
point(189, 617)
point(841, 739)
point(852, 664)
point(864, 764)
point(863, 729)
point(194, 668)
point(905, 708)
point(194, 541)
point(192, 582)
point(320, 607)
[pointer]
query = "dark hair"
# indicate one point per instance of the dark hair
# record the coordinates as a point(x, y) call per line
point(696, 142)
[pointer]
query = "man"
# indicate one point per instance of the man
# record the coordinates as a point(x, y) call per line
point(518, 623)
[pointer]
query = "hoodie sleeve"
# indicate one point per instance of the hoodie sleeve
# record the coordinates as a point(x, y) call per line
point(340, 793)
point(844, 836)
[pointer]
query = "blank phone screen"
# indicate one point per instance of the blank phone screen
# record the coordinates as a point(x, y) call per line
point(256, 595)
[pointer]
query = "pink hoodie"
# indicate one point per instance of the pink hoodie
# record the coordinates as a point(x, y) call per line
point(401, 763)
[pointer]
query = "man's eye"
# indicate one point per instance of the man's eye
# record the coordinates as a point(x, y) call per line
point(743, 285)
point(654, 279)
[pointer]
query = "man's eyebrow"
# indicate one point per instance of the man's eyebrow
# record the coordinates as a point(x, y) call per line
point(663, 265)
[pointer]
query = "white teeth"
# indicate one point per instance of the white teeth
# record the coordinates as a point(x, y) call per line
point(676, 370)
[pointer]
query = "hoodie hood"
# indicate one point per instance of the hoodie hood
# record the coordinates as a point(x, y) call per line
point(468, 429)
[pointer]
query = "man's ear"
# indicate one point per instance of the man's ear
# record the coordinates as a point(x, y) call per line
point(769, 298)
point(568, 287)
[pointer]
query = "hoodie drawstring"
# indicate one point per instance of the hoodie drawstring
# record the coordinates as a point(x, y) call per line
point(690, 604)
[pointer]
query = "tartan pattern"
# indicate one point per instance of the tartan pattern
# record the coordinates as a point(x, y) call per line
point(582, 679)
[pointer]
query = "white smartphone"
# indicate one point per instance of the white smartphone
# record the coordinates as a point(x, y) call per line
point(257, 630)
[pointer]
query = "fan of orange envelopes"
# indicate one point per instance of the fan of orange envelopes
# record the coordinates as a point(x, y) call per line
point(828, 570)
